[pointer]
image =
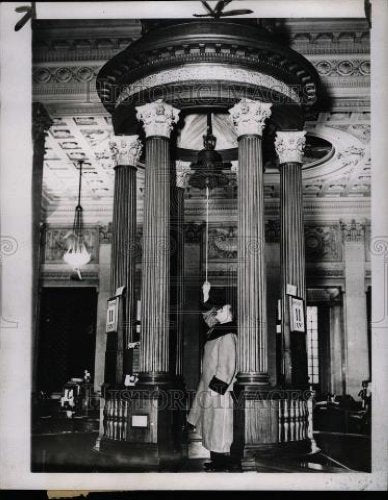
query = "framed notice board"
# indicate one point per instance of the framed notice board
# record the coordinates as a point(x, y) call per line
point(297, 316)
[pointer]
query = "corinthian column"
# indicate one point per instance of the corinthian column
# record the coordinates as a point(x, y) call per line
point(289, 147)
point(249, 117)
point(125, 151)
point(158, 119)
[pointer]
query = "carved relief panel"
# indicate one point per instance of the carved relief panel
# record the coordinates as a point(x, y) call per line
point(56, 243)
point(323, 243)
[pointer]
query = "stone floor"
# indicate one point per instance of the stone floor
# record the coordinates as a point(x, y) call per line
point(72, 451)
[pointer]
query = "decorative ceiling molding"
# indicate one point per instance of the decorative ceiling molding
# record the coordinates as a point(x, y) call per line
point(347, 173)
point(101, 40)
point(344, 78)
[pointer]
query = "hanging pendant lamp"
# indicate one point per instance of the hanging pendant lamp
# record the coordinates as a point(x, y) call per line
point(77, 254)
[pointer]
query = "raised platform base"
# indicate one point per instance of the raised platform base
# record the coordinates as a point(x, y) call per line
point(270, 420)
point(145, 424)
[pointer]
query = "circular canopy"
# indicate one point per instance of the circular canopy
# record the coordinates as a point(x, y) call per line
point(198, 65)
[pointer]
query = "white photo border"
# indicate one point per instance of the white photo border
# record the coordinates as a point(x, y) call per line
point(16, 265)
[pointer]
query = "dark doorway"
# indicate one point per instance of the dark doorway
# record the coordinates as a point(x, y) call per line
point(67, 337)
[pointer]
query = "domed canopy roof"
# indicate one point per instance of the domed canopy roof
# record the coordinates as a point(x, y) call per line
point(198, 64)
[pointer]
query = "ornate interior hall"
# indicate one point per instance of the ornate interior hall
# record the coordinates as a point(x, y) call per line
point(235, 151)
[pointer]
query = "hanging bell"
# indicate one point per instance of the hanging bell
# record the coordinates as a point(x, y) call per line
point(208, 169)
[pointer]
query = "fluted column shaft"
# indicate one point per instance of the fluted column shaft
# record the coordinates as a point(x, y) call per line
point(125, 151)
point(179, 279)
point(248, 117)
point(289, 146)
point(124, 237)
point(251, 282)
point(157, 118)
point(154, 353)
point(292, 228)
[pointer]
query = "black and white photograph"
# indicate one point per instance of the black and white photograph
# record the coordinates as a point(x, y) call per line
point(193, 256)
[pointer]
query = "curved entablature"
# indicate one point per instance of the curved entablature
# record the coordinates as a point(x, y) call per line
point(194, 65)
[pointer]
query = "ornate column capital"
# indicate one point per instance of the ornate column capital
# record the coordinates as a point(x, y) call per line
point(158, 118)
point(125, 149)
point(289, 146)
point(182, 172)
point(248, 116)
point(353, 232)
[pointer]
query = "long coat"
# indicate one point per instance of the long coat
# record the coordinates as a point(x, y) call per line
point(212, 409)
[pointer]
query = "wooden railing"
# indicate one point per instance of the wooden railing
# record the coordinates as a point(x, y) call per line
point(116, 417)
point(294, 417)
point(294, 411)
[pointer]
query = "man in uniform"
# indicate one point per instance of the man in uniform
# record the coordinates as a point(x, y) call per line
point(212, 410)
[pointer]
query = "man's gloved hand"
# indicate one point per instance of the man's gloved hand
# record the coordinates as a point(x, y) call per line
point(205, 290)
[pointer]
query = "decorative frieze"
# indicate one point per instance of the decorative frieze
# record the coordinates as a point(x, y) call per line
point(42, 75)
point(56, 243)
point(223, 243)
point(289, 146)
point(323, 243)
point(343, 67)
point(158, 118)
point(249, 116)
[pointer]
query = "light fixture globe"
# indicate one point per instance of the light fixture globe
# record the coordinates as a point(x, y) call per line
point(77, 254)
